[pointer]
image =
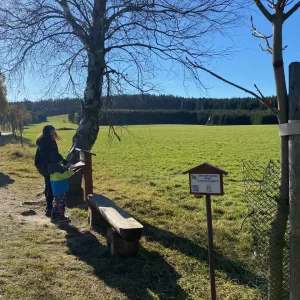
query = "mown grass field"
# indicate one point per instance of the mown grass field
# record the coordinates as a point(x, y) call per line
point(143, 174)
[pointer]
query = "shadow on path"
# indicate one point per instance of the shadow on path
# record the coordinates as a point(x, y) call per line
point(5, 180)
point(138, 277)
point(4, 137)
point(76, 201)
point(29, 212)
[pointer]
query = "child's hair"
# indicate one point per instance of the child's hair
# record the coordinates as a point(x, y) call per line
point(45, 134)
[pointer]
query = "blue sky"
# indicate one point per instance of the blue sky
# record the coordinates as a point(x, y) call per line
point(249, 65)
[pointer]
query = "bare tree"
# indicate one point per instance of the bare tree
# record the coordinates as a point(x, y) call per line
point(16, 117)
point(11, 120)
point(107, 46)
point(22, 118)
point(3, 100)
point(276, 12)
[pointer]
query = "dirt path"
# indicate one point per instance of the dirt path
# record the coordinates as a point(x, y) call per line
point(40, 260)
point(20, 202)
point(20, 195)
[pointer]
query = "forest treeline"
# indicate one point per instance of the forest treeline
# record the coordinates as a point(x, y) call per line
point(200, 117)
point(163, 109)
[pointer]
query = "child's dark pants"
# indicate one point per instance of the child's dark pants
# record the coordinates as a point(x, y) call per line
point(48, 194)
point(59, 205)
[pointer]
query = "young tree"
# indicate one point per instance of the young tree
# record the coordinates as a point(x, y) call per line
point(71, 114)
point(277, 12)
point(3, 100)
point(22, 118)
point(10, 119)
point(17, 116)
point(114, 44)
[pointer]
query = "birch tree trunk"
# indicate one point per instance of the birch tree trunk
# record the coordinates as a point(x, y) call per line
point(88, 129)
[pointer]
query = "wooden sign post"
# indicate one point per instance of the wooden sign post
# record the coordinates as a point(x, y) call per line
point(207, 180)
point(86, 163)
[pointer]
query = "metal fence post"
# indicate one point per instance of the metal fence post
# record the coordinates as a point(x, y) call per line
point(294, 178)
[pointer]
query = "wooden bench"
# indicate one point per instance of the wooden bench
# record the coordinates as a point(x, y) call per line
point(124, 231)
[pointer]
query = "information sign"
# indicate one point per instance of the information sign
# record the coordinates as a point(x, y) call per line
point(206, 183)
point(207, 180)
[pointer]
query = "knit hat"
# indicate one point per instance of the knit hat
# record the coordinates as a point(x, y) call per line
point(56, 157)
point(51, 128)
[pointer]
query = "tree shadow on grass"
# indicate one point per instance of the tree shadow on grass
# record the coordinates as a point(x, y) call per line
point(26, 141)
point(4, 140)
point(5, 180)
point(235, 270)
point(139, 277)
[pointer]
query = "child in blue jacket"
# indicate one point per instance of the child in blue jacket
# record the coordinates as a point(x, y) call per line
point(59, 176)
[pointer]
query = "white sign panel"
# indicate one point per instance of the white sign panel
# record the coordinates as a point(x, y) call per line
point(205, 183)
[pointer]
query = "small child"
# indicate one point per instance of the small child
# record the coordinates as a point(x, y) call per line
point(59, 176)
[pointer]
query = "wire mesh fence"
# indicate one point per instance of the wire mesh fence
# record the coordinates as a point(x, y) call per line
point(261, 185)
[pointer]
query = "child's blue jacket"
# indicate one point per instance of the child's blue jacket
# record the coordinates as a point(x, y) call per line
point(59, 178)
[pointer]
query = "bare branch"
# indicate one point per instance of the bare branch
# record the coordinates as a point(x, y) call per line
point(283, 3)
point(45, 37)
point(83, 12)
point(263, 9)
point(258, 34)
point(261, 98)
point(291, 11)
point(271, 4)
point(265, 50)
point(288, 2)
point(78, 29)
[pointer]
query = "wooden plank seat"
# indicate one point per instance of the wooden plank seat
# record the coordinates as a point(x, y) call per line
point(125, 232)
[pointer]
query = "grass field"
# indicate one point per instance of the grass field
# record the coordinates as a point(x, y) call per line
point(143, 174)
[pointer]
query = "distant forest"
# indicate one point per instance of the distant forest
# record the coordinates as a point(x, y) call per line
point(163, 109)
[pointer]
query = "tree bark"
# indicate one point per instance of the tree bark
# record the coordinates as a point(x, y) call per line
point(21, 134)
point(88, 129)
point(279, 225)
point(294, 179)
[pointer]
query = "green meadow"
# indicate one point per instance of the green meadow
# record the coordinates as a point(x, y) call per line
point(143, 173)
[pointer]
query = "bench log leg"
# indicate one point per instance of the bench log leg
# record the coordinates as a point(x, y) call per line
point(94, 217)
point(116, 245)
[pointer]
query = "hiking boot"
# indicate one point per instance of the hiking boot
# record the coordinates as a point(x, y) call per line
point(54, 217)
point(48, 213)
point(63, 219)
